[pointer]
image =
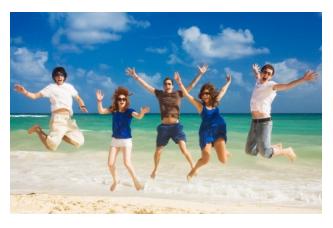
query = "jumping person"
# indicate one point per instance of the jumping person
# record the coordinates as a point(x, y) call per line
point(259, 136)
point(62, 126)
point(213, 129)
point(121, 132)
point(170, 127)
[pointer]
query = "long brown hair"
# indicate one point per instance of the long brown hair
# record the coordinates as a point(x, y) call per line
point(119, 91)
point(212, 92)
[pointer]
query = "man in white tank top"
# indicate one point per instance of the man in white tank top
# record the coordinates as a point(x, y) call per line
point(62, 126)
point(259, 137)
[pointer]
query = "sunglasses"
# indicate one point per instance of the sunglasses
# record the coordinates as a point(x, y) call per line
point(59, 74)
point(205, 93)
point(121, 99)
point(266, 72)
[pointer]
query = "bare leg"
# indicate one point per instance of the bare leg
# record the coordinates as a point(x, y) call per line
point(157, 157)
point(221, 150)
point(41, 134)
point(127, 152)
point(113, 152)
point(287, 152)
point(68, 140)
point(205, 156)
point(183, 149)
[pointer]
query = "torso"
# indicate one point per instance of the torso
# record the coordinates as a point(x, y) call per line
point(259, 115)
point(61, 111)
point(169, 106)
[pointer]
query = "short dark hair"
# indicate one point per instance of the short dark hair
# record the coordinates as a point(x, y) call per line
point(58, 70)
point(268, 66)
point(166, 79)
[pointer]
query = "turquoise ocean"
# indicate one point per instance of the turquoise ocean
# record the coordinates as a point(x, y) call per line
point(245, 179)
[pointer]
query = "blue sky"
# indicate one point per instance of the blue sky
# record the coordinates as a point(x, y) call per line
point(96, 48)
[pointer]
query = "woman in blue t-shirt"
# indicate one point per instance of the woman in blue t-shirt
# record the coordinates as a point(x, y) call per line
point(213, 129)
point(121, 132)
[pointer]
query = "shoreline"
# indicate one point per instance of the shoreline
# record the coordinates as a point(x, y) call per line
point(75, 204)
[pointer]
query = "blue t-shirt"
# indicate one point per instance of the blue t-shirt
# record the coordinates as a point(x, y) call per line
point(121, 122)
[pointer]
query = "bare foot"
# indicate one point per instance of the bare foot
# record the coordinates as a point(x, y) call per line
point(34, 129)
point(290, 154)
point(153, 175)
point(191, 174)
point(138, 186)
point(278, 146)
point(113, 186)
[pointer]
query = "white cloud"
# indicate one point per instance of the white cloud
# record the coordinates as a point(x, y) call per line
point(99, 81)
point(292, 69)
point(154, 80)
point(157, 50)
point(76, 30)
point(229, 44)
point(29, 65)
point(289, 69)
point(174, 59)
point(237, 79)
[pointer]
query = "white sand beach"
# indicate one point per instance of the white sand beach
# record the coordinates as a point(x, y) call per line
point(68, 204)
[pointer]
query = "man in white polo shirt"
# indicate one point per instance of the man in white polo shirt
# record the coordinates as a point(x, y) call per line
point(259, 137)
point(62, 126)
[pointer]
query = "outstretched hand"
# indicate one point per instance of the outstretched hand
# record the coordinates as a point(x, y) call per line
point(228, 78)
point(310, 75)
point(145, 109)
point(177, 78)
point(256, 68)
point(99, 95)
point(19, 88)
point(203, 69)
point(131, 72)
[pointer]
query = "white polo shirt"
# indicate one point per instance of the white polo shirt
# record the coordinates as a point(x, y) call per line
point(61, 96)
point(262, 97)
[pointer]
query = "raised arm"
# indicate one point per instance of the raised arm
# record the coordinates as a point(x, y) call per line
point(131, 72)
point(79, 100)
point(308, 76)
point(256, 70)
point(19, 88)
point(99, 97)
point(224, 89)
point(142, 113)
point(201, 71)
point(191, 99)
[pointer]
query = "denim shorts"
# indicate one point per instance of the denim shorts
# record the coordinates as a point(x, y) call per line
point(259, 139)
point(167, 131)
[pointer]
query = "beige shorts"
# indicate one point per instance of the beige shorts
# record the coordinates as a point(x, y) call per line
point(121, 142)
point(61, 125)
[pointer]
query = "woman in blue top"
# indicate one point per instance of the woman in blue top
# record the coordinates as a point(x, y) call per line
point(213, 131)
point(121, 131)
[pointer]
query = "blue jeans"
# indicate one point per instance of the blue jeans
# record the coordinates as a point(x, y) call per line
point(259, 139)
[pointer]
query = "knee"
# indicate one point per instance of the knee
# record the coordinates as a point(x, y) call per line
point(205, 158)
point(127, 164)
point(265, 151)
point(250, 150)
point(111, 165)
point(79, 141)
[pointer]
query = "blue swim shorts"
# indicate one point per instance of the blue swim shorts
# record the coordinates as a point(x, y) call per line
point(167, 131)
